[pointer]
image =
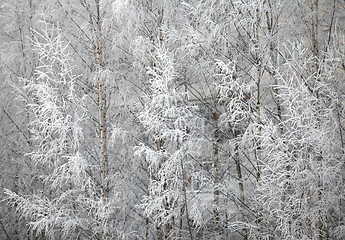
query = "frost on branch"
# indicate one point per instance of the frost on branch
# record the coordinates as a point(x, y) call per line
point(302, 185)
point(167, 121)
point(59, 202)
point(234, 95)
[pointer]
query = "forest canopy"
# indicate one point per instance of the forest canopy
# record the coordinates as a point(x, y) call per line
point(172, 120)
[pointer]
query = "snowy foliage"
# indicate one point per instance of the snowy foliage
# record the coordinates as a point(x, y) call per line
point(198, 119)
point(300, 191)
point(67, 201)
point(167, 121)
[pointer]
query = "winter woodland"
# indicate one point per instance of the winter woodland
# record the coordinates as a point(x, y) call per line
point(172, 119)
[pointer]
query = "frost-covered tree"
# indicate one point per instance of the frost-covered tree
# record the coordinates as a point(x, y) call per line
point(301, 189)
point(199, 173)
point(167, 120)
point(237, 122)
point(236, 32)
point(65, 200)
point(17, 60)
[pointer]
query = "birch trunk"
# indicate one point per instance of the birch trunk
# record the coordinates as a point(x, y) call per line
point(274, 59)
point(101, 102)
point(258, 67)
point(241, 188)
point(315, 27)
point(99, 62)
point(216, 178)
point(315, 50)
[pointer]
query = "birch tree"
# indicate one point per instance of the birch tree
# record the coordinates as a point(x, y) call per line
point(300, 192)
point(166, 119)
point(18, 61)
point(259, 157)
point(65, 200)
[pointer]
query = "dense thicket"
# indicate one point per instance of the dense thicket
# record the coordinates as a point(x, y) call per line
point(160, 119)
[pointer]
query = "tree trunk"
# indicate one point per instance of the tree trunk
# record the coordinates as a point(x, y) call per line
point(99, 62)
point(241, 188)
point(101, 101)
point(315, 28)
point(274, 59)
point(258, 66)
point(218, 230)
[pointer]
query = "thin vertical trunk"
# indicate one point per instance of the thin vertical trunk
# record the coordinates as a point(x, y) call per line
point(274, 60)
point(32, 234)
point(101, 102)
point(314, 35)
point(315, 27)
point(147, 223)
point(102, 115)
point(257, 109)
point(340, 126)
point(15, 188)
point(241, 188)
point(185, 183)
point(99, 62)
point(315, 50)
point(187, 214)
point(258, 66)
point(258, 148)
point(186, 209)
point(164, 230)
point(216, 178)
